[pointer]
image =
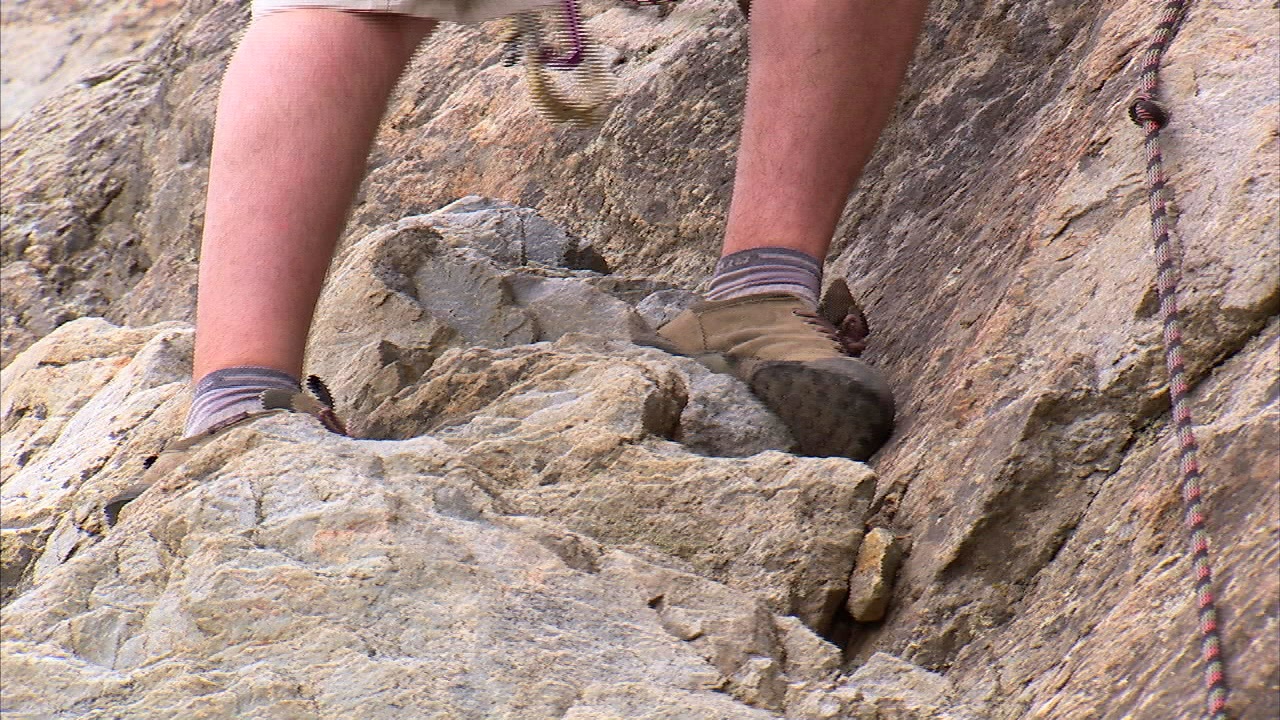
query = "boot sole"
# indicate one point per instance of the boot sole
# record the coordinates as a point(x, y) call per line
point(834, 408)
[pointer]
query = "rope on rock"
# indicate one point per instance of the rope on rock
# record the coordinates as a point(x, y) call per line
point(1147, 113)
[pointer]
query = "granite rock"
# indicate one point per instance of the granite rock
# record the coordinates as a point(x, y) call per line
point(879, 558)
point(576, 565)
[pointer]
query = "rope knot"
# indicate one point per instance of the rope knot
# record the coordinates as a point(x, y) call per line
point(1145, 110)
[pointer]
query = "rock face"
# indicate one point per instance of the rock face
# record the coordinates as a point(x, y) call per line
point(50, 45)
point(547, 522)
point(544, 519)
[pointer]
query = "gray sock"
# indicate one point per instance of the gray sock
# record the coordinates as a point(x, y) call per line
point(767, 270)
point(223, 394)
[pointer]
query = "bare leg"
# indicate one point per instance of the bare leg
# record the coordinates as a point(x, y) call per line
point(823, 79)
point(299, 108)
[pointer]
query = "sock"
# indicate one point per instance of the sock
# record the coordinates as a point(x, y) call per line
point(223, 394)
point(767, 270)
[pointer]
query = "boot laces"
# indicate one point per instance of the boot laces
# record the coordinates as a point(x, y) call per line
point(838, 341)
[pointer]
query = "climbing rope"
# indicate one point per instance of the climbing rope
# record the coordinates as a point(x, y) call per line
point(1148, 114)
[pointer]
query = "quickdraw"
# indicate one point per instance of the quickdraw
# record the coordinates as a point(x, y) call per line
point(581, 96)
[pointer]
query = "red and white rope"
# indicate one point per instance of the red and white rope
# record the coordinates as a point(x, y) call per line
point(1151, 117)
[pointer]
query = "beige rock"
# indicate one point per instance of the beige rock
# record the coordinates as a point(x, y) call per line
point(808, 657)
point(1123, 574)
point(283, 571)
point(79, 408)
point(461, 277)
point(1009, 287)
point(575, 431)
point(879, 557)
point(883, 688)
point(47, 46)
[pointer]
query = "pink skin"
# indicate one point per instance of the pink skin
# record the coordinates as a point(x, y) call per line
point(300, 104)
point(823, 79)
point(303, 96)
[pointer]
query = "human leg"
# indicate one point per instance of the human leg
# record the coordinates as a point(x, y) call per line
point(299, 107)
point(822, 82)
point(300, 103)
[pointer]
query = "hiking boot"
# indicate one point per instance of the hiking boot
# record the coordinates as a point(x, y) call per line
point(798, 363)
point(318, 404)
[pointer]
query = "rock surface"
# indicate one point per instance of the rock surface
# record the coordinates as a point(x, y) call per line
point(546, 522)
point(871, 586)
point(49, 46)
point(998, 243)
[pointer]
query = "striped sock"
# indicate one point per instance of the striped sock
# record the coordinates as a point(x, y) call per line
point(767, 270)
point(223, 394)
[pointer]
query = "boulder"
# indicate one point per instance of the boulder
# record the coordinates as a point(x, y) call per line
point(575, 563)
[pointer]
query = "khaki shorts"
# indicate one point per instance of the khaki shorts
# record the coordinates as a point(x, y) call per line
point(447, 10)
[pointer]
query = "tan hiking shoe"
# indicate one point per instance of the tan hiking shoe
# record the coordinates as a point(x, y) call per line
point(797, 363)
point(316, 401)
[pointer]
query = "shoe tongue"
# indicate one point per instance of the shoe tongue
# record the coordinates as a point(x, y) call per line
point(277, 399)
point(837, 302)
point(843, 312)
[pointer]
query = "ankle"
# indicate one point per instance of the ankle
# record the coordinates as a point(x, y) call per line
point(758, 271)
point(226, 393)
